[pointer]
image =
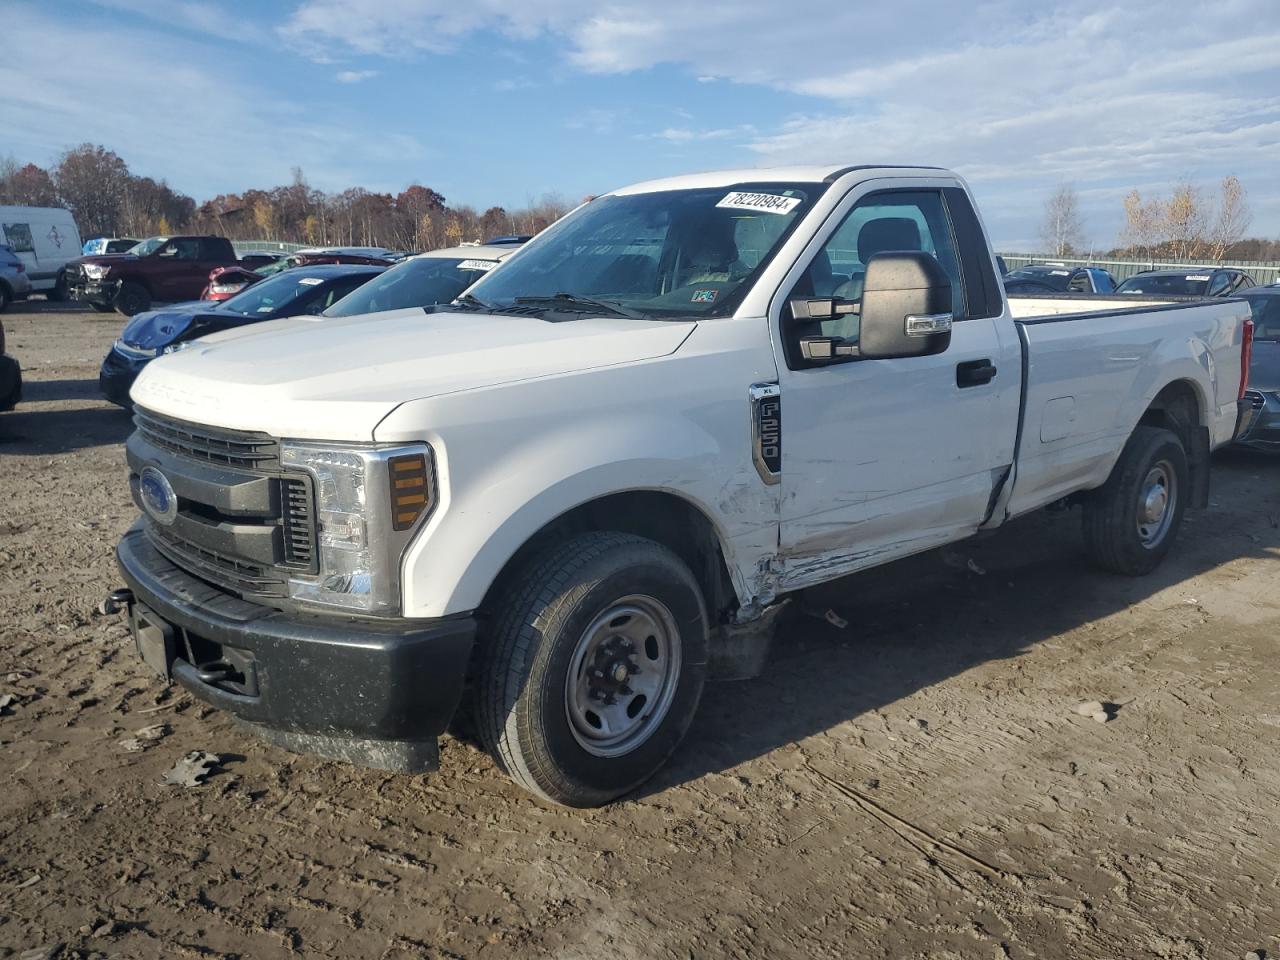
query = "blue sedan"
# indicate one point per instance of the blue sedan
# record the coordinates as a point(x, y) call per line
point(303, 290)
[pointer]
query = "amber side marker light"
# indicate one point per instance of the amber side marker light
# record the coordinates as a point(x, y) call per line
point(410, 489)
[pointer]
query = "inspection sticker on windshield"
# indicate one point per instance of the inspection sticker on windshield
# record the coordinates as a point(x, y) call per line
point(704, 296)
point(763, 202)
point(1059, 273)
point(310, 281)
point(477, 264)
point(1196, 276)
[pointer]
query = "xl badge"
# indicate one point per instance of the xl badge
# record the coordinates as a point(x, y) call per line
point(158, 498)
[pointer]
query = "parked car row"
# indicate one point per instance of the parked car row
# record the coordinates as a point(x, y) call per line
point(1061, 278)
point(328, 285)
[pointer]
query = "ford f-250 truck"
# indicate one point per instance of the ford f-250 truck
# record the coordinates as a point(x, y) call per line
point(159, 269)
point(586, 485)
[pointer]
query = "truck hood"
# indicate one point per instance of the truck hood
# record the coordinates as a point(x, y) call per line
point(109, 259)
point(159, 328)
point(336, 378)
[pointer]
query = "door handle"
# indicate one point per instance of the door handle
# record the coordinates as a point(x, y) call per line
point(974, 373)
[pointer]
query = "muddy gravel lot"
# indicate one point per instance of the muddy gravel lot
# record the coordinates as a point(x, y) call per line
point(916, 783)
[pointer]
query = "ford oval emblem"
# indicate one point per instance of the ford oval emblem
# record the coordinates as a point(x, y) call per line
point(158, 498)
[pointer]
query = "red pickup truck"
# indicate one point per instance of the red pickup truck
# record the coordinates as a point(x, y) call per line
point(161, 269)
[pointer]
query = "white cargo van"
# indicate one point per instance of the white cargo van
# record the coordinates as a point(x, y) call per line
point(45, 240)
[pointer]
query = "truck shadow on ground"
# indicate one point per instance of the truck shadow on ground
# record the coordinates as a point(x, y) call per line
point(92, 422)
point(921, 620)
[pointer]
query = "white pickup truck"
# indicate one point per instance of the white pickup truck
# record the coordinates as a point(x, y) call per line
point(585, 487)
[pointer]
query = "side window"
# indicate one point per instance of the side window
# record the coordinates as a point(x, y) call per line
point(880, 223)
point(187, 249)
point(211, 249)
point(18, 237)
point(1219, 284)
point(1243, 282)
point(1080, 282)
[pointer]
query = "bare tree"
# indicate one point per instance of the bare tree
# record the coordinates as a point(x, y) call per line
point(1143, 223)
point(1185, 220)
point(1232, 219)
point(1062, 232)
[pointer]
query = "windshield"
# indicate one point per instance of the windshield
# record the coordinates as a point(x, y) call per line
point(1055, 278)
point(1266, 316)
point(272, 294)
point(1164, 284)
point(414, 283)
point(143, 247)
point(671, 253)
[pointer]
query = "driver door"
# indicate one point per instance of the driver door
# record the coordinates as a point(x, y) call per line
point(883, 458)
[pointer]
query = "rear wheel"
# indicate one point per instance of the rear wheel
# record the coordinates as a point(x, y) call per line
point(1131, 521)
point(596, 665)
point(132, 298)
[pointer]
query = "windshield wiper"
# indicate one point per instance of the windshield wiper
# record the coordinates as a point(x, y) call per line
point(473, 300)
point(573, 300)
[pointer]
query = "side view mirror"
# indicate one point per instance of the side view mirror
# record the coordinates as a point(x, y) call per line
point(906, 307)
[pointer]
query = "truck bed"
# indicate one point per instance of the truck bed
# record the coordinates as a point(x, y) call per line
point(1088, 364)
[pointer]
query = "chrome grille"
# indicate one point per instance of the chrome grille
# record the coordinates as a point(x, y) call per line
point(232, 448)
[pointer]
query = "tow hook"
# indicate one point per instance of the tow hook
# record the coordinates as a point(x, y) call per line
point(116, 600)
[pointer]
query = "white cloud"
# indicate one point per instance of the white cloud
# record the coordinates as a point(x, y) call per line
point(1017, 97)
point(354, 76)
point(45, 110)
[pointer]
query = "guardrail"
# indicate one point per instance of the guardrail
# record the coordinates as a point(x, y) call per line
point(267, 246)
point(1263, 272)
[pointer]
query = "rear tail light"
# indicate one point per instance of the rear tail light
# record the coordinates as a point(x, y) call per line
point(1246, 356)
point(21, 268)
point(410, 489)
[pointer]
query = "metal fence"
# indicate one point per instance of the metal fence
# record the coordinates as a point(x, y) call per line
point(266, 246)
point(1263, 272)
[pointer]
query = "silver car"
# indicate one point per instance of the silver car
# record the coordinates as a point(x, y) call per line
point(14, 282)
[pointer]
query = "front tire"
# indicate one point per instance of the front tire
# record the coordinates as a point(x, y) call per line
point(4, 298)
point(1130, 522)
point(103, 307)
point(596, 666)
point(132, 298)
point(59, 293)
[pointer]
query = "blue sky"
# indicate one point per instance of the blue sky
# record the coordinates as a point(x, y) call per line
point(501, 101)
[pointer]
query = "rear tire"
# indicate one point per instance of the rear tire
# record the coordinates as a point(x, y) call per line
point(596, 665)
point(132, 298)
point(58, 293)
point(1130, 522)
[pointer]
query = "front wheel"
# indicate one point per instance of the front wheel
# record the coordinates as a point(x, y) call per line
point(1131, 521)
point(596, 666)
point(132, 298)
point(102, 307)
point(59, 292)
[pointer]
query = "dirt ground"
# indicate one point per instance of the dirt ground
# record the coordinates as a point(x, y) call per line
point(915, 784)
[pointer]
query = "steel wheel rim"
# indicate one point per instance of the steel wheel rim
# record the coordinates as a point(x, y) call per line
point(1157, 503)
point(629, 654)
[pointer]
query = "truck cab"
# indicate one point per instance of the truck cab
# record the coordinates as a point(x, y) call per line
point(591, 482)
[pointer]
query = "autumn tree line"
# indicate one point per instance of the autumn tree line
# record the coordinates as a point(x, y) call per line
point(1189, 223)
point(107, 199)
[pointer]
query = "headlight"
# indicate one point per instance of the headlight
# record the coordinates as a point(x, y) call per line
point(368, 502)
point(96, 271)
point(180, 345)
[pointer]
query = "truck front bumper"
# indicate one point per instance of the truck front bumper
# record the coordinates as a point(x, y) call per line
point(372, 693)
point(101, 292)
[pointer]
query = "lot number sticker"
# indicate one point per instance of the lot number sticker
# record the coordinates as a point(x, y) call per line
point(477, 264)
point(762, 202)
